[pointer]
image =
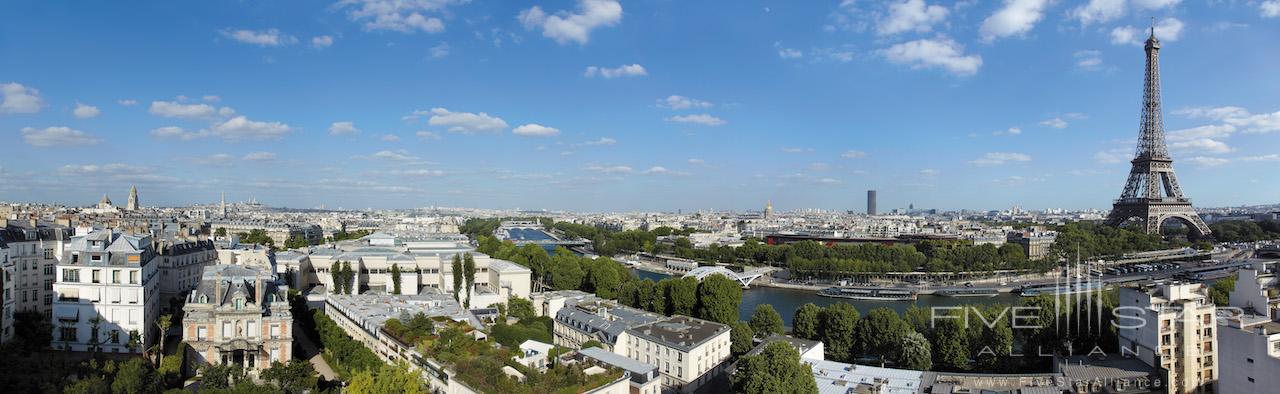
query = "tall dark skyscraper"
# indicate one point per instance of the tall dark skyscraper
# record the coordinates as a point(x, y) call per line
point(871, 202)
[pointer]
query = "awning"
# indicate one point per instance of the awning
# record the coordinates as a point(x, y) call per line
point(67, 314)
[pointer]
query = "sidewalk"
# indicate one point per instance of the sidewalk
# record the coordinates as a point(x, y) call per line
point(317, 360)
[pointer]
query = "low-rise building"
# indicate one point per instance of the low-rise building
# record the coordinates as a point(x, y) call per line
point(1035, 244)
point(182, 263)
point(34, 250)
point(238, 315)
point(689, 352)
point(1171, 327)
point(643, 378)
point(599, 320)
point(107, 290)
point(363, 315)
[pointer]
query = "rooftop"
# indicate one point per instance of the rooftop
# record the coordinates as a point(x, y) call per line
point(840, 378)
point(372, 310)
point(680, 332)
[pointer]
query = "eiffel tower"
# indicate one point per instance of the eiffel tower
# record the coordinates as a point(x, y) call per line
point(1152, 171)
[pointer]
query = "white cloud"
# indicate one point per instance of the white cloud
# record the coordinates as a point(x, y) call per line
point(321, 42)
point(1270, 8)
point(535, 130)
point(173, 132)
point(696, 162)
point(260, 156)
point(57, 136)
point(1098, 11)
point(466, 122)
point(1215, 113)
point(1270, 157)
point(265, 38)
point(420, 173)
point(240, 127)
point(565, 26)
point(935, 53)
point(1167, 30)
point(1113, 156)
point(1056, 123)
point(127, 102)
point(390, 138)
point(217, 159)
point(1207, 131)
point(853, 154)
point(211, 98)
point(394, 155)
point(911, 15)
point(626, 70)
point(998, 158)
point(19, 99)
point(1088, 59)
point(929, 172)
point(102, 170)
point(788, 53)
point(1016, 18)
point(608, 169)
point(343, 128)
point(1207, 145)
point(1261, 123)
point(439, 51)
point(660, 170)
point(1202, 161)
point(427, 135)
point(796, 150)
point(1009, 131)
point(601, 141)
point(171, 109)
point(702, 119)
point(682, 102)
point(405, 16)
point(84, 111)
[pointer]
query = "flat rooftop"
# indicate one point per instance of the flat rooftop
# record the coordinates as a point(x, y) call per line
point(841, 378)
point(681, 332)
point(371, 311)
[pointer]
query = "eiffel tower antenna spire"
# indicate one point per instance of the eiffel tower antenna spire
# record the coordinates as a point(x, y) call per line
point(1152, 193)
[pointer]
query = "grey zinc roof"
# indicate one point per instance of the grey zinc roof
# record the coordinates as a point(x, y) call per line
point(603, 319)
point(681, 332)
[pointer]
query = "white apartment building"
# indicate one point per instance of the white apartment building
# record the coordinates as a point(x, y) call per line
point(6, 294)
point(107, 287)
point(423, 263)
point(1171, 326)
point(1249, 337)
point(688, 352)
point(34, 251)
point(599, 320)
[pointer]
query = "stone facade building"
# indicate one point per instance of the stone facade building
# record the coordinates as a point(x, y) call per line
point(238, 315)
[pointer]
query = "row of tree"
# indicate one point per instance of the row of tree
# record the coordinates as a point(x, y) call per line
point(715, 298)
point(464, 270)
point(343, 277)
point(1245, 230)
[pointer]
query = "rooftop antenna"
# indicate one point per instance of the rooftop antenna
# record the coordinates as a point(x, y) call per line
point(1153, 26)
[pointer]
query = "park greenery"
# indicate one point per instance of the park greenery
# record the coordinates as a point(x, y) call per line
point(478, 364)
point(343, 235)
point(344, 354)
point(776, 369)
point(965, 338)
point(1245, 231)
point(343, 277)
point(1220, 291)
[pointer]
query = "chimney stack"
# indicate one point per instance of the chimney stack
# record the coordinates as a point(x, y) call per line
point(217, 290)
point(258, 289)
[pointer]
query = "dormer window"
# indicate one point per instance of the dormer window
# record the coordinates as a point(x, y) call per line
point(204, 299)
point(239, 303)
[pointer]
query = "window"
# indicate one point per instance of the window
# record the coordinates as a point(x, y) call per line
point(67, 334)
point(115, 336)
point(115, 276)
point(252, 328)
point(275, 331)
point(226, 329)
point(48, 270)
point(202, 332)
point(133, 277)
point(48, 253)
point(95, 258)
point(96, 276)
point(71, 275)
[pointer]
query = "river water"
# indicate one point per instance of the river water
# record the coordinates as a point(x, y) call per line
point(786, 301)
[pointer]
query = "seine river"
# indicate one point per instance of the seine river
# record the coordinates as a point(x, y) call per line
point(786, 301)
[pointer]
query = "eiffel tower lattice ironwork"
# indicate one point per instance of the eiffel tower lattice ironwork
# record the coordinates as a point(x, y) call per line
point(1152, 194)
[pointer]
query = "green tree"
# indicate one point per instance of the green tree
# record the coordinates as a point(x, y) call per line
point(880, 332)
point(469, 269)
point(740, 335)
point(135, 376)
point(349, 283)
point(335, 273)
point(718, 299)
point(566, 273)
point(804, 324)
point(604, 279)
point(220, 232)
point(296, 242)
point(395, 279)
point(777, 369)
point(220, 376)
point(294, 377)
point(89, 385)
point(950, 345)
point(388, 379)
point(163, 323)
point(995, 346)
point(913, 352)
point(592, 343)
point(520, 308)
point(682, 296)
point(839, 326)
point(457, 276)
point(1220, 292)
point(766, 321)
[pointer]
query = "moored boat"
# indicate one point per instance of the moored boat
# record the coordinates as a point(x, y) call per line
point(868, 293)
point(969, 293)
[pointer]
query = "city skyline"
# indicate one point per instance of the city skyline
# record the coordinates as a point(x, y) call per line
point(599, 106)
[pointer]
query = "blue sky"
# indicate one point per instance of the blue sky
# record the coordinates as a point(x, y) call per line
point(657, 105)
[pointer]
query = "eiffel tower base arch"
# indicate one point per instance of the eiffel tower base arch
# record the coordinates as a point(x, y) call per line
point(1154, 214)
